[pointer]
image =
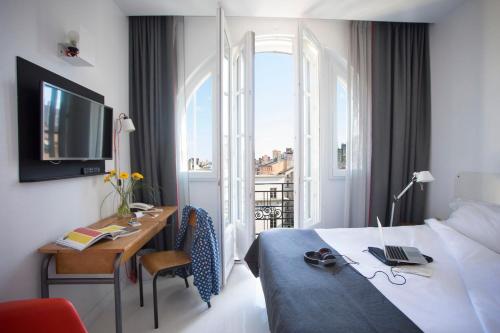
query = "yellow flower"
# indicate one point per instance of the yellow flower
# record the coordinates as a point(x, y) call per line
point(112, 173)
point(123, 175)
point(137, 176)
point(107, 178)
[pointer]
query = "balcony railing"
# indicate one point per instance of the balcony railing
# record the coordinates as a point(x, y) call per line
point(273, 206)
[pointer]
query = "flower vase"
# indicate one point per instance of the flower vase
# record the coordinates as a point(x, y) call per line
point(124, 208)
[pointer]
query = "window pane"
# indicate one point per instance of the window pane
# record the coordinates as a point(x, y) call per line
point(309, 157)
point(199, 128)
point(307, 75)
point(239, 157)
point(241, 76)
point(341, 123)
point(307, 115)
point(238, 200)
point(307, 199)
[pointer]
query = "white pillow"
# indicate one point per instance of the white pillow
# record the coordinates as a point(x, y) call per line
point(479, 269)
point(479, 221)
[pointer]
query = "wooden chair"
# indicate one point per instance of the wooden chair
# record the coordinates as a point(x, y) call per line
point(164, 261)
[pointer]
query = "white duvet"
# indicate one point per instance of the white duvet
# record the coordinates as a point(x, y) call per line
point(463, 293)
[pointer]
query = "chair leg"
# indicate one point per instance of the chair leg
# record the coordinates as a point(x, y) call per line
point(141, 296)
point(209, 305)
point(155, 301)
point(185, 279)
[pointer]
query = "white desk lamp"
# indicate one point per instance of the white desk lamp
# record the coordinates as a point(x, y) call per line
point(418, 177)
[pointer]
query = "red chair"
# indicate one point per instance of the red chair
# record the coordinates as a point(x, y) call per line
point(48, 315)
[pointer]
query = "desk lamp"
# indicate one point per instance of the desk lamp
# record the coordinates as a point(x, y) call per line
point(122, 124)
point(418, 177)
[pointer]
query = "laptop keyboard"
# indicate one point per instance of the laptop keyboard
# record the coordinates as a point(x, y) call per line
point(396, 252)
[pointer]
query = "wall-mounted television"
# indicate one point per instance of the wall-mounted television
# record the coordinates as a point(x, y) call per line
point(74, 127)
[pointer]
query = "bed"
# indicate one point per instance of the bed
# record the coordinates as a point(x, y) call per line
point(462, 295)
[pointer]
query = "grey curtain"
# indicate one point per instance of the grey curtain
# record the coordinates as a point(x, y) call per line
point(152, 86)
point(400, 119)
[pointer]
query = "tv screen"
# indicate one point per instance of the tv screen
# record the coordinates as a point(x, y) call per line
point(74, 127)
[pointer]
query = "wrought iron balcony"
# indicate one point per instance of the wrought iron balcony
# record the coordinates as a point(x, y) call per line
point(273, 206)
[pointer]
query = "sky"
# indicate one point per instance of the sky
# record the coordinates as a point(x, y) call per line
point(274, 109)
point(341, 113)
point(199, 142)
point(274, 102)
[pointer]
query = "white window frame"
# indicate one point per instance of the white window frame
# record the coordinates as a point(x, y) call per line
point(337, 70)
point(238, 133)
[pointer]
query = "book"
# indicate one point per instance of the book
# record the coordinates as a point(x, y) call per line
point(82, 238)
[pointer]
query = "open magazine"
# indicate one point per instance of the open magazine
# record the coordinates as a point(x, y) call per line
point(82, 238)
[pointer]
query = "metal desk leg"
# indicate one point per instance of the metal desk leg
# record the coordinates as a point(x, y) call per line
point(118, 301)
point(46, 281)
point(45, 276)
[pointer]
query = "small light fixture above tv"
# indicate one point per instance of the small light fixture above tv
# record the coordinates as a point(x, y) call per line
point(74, 127)
point(78, 48)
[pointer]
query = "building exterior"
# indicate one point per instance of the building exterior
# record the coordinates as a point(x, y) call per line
point(341, 156)
point(199, 165)
point(274, 200)
point(279, 164)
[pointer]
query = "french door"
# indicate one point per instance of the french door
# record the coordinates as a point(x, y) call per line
point(308, 129)
point(235, 105)
point(235, 66)
point(243, 138)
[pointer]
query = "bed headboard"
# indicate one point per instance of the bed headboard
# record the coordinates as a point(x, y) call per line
point(478, 186)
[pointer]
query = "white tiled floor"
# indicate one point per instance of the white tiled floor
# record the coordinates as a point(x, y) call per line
point(239, 308)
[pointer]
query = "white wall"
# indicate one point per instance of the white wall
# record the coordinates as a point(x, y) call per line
point(465, 81)
point(36, 213)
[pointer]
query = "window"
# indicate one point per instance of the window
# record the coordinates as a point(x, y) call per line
point(272, 192)
point(199, 130)
point(273, 221)
point(341, 125)
point(339, 114)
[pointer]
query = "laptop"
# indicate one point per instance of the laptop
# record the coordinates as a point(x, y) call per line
point(401, 254)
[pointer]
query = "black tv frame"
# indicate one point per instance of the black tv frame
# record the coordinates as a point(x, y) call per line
point(31, 167)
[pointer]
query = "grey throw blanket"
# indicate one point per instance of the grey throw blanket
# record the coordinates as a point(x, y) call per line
point(305, 298)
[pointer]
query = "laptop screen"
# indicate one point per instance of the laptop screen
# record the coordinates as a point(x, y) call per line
point(381, 235)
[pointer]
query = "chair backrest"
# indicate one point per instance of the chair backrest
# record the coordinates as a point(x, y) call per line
point(188, 242)
point(55, 315)
point(192, 218)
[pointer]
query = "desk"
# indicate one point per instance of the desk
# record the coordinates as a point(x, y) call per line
point(104, 257)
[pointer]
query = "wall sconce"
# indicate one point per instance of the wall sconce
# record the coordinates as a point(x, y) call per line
point(77, 48)
point(122, 124)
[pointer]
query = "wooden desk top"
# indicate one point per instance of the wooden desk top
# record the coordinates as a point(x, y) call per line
point(127, 245)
